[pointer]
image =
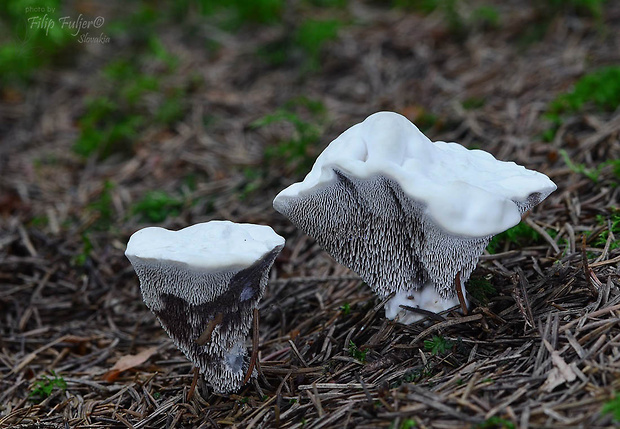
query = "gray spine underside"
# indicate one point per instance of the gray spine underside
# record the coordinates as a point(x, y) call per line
point(185, 300)
point(372, 227)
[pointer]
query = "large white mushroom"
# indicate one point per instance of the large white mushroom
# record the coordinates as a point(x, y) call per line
point(409, 215)
point(203, 283)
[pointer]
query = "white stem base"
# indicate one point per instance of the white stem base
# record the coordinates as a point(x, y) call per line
point(425, 298)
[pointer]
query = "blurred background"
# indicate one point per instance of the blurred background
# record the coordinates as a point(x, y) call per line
point(151, 110)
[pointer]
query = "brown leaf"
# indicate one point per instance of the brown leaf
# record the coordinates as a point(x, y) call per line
point(127, 362)
point(560, 373)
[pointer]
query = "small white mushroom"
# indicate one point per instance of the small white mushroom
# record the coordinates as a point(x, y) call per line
point(203, 283)
point(409, 215)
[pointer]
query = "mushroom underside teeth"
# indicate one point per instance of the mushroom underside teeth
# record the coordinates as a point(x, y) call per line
point(220, 355)
point(372, 227)
point(208, 315)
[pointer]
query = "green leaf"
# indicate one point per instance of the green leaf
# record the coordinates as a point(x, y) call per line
point(612, 407)
point(438, 345)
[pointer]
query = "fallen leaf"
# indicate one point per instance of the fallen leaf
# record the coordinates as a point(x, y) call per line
point(127, 362)
point(560, 373)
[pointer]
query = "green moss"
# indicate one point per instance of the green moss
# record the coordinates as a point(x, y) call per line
point(312, 35)
point(356, 353)
point(275, 53)
point(87, 246)
point(485, 17)
point(113, 122)
point(112, 135)
point(438, 345)
point(612, 407)
point(260, 11)
point(600, 88)
point(328, 3)
point(33, 38)
point(481, 289)
point(459, 23)
point(423, 6)
point(585, 7)
point(613, 220)
point(473, 103)
point(426, 120)
point(157, 206)
point(238, 12)
point(297, 151)
point(416, 374)
point(495, 422)
point(172, 109)
point(38, 221)
point(408, 424)
point(103, 208)
point(615, 163)
point(119, 71)
point(520, 235)
point(592, 173)
point(159, 51)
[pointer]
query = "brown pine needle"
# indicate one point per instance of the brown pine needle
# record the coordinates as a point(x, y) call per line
point(192, 388)
point(206, 335)
point(254, 357)
point(586, 268)
point(459, 293)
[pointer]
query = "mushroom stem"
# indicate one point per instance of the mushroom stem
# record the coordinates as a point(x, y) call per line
point(254, 357)
point(459, 293)
point(423, 312)
point(206, 335)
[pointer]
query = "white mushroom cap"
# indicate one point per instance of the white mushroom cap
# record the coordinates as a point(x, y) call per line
point(206, 277)
point(209, 246)
point(465, 192)
point(407, 214)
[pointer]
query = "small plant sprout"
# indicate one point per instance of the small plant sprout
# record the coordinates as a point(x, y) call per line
point(613, 407)
point(438, 345)
point(356, 353)
point(45, 385)
point(204, 283)
point(409, 215)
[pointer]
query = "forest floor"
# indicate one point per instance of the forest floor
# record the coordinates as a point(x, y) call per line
point(175, 116)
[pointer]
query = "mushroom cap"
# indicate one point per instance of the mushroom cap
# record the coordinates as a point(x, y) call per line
point(464, 192)
point(214, 245)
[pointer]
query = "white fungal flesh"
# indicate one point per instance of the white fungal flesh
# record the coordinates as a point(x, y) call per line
point(466, 192)
point(404, 212)
point(214, 245)
point(425, 298)
point(192, 276)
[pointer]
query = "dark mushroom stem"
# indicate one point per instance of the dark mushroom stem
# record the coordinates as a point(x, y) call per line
point(459, 293)
point(254, 357)
point(206, 335)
